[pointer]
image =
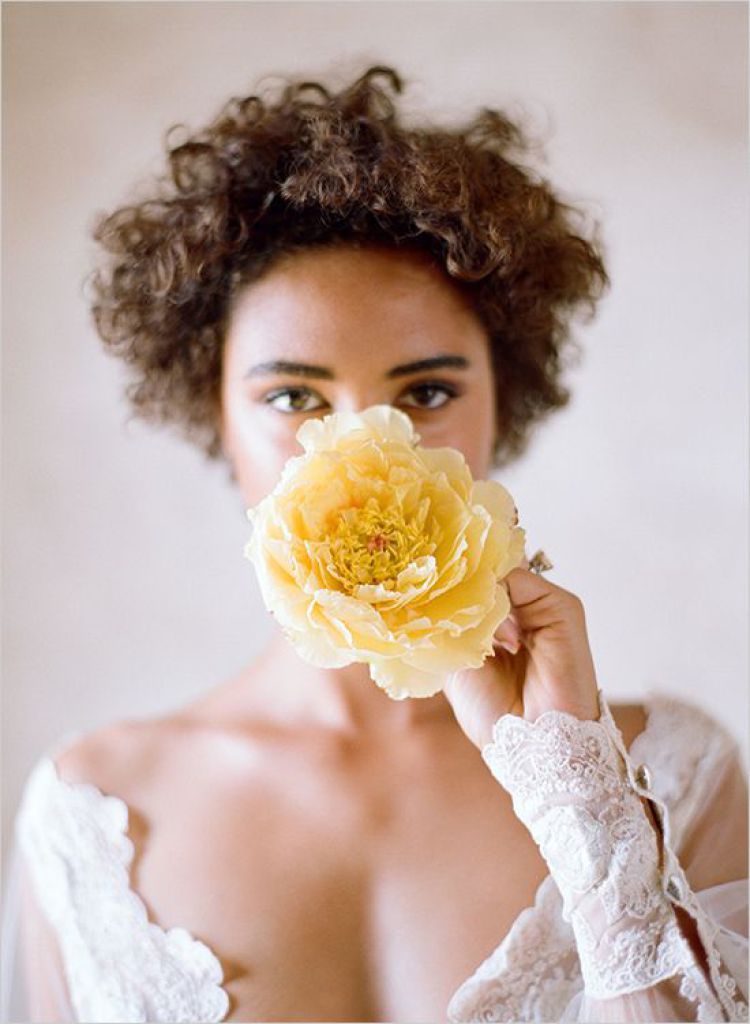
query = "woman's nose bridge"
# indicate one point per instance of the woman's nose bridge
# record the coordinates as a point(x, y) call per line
point(356, 398)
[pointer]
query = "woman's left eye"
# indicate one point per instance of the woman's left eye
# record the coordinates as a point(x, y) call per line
point(431, 396)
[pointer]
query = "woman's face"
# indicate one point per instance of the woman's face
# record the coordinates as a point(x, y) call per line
point(336, 329)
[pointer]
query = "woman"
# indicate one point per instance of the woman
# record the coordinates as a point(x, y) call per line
point(295, 845)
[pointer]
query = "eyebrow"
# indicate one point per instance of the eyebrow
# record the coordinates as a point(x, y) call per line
point(324, 373)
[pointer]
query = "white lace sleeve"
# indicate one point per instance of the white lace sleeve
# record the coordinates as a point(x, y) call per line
point(625, 894)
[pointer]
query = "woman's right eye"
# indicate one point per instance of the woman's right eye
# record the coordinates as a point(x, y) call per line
point(296, 399)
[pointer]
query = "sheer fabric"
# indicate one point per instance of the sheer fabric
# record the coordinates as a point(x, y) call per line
point(645, 947)
point(32, 975)
point(78, 946)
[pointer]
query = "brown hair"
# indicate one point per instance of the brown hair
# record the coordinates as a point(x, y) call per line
point(310, 167)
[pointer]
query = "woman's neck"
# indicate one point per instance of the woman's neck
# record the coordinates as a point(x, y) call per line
point(345, 700)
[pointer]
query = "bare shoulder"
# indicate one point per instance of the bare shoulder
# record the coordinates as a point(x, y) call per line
point(118, 757)
point(147, 759)
point(630, 720)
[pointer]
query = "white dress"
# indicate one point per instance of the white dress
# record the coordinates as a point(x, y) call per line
point(603, 940)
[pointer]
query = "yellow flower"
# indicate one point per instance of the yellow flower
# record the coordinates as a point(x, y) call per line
point(374, 549)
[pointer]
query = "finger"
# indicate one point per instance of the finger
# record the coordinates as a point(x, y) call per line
point(537, 602)
point(508, 635)
point(525, 586)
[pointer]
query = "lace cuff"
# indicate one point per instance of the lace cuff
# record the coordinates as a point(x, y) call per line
point(575, 789)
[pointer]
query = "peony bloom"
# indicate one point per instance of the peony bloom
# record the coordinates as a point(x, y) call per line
point(374, 549)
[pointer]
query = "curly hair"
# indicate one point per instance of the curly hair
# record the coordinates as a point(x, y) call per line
point(311, 167)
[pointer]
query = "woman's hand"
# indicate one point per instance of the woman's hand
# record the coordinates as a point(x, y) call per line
point(552, 670)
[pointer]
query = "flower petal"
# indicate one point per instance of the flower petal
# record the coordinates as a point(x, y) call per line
point(401, 680)
point(371, 548)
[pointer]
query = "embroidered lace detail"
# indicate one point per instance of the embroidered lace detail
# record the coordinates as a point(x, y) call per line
point(119, 965)
point(535, 972)
point(532, 974)
point(574, 787)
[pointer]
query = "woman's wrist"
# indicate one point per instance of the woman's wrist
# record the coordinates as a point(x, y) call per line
point(572, 786)
point(585, 708)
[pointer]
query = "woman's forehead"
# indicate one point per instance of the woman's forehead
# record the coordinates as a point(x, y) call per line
point(390, 297)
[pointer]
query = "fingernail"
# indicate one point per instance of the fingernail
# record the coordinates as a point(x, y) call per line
point(512, 647)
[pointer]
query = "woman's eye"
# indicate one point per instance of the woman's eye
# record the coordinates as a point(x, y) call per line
point(293, 400)
point(431, 396)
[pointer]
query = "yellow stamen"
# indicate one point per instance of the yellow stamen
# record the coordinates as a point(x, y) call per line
point(370, 545)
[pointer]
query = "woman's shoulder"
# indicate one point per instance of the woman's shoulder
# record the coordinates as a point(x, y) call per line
point(145, 761)
point(72, 821)
point(84, 782)
point(88, 798)
point(675, 728)
point(684, 742)
point(687, 740)
point(83, 817)
point(693, 764)
point(117, 757)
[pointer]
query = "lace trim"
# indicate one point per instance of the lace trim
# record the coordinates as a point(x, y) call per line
point(119, 965)
point(677, 886)
point(573, 785)
point(532, 974)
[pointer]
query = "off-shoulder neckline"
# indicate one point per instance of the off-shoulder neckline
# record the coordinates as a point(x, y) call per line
point(650, 704)
point(119, 818)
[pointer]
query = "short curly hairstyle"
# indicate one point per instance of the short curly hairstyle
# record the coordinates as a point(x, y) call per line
point(308, 166)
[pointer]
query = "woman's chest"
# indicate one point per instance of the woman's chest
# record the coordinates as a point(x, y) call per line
point(339, 896)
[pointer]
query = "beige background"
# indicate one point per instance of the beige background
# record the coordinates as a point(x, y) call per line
point(126, 592)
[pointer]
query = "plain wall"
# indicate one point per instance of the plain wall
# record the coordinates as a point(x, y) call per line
point(126, 592)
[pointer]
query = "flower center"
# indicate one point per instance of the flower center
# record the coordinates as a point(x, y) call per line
point(371, 545)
